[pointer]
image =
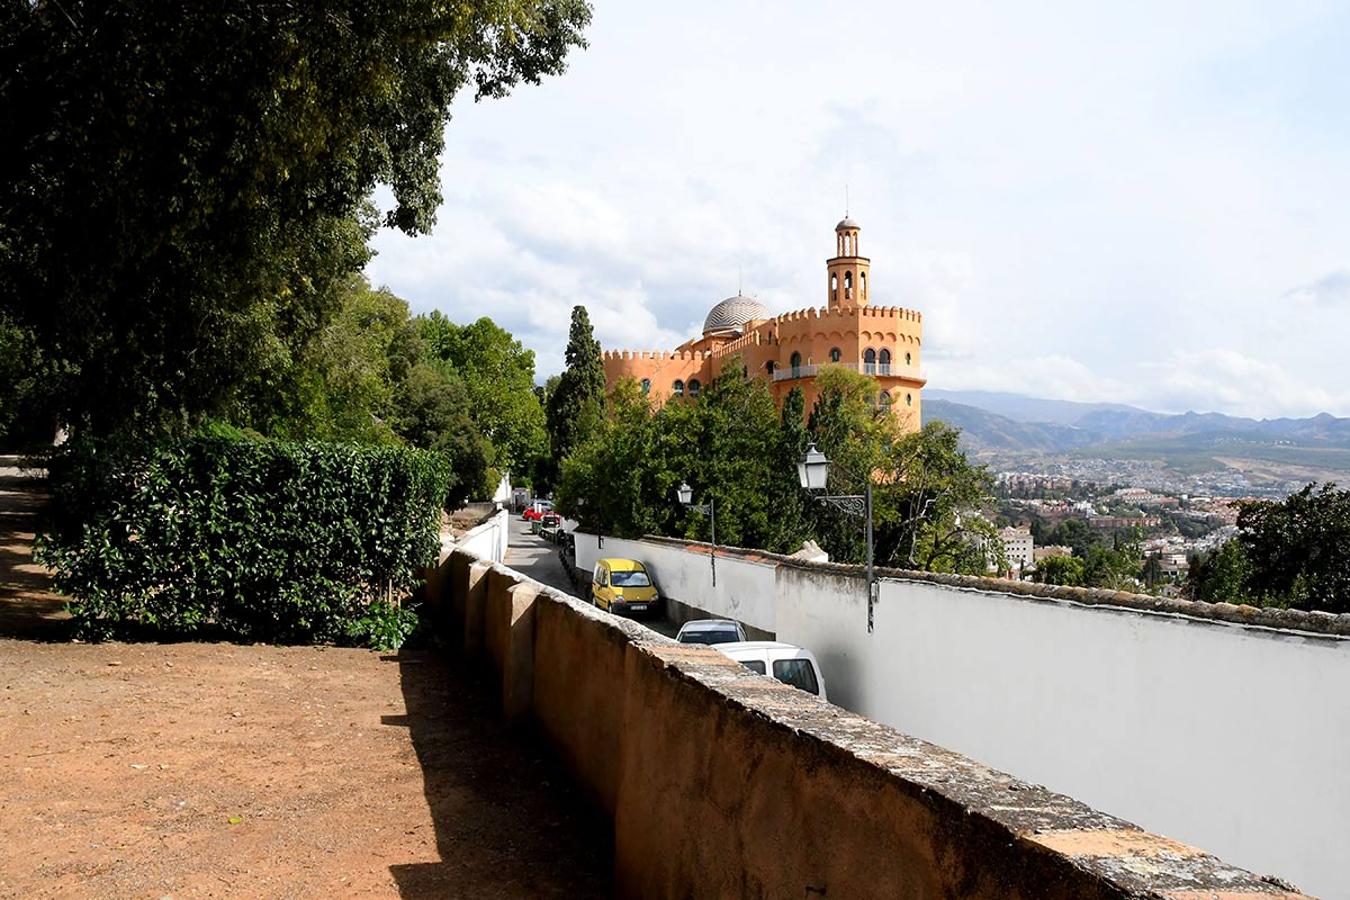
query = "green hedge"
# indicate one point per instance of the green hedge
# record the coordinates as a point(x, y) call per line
point(268, 541)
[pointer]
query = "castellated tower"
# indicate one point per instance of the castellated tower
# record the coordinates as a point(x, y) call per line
point(789, 349)
point(848, 271)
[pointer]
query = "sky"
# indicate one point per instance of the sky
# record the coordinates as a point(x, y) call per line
point(1143, 202)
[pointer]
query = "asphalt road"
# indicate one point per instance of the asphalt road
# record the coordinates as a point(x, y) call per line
point(537, 558)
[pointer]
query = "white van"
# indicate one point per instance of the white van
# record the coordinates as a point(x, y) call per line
point(788, 663)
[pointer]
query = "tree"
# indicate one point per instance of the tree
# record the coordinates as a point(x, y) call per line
point(431, 411)
point(341, 384)
point(182, 205)
point(926, 494)
point(1060, 570)
point(616, 481)
point(499, 374)
point(577, 404)
point(1299, 549)
point(1221, 576)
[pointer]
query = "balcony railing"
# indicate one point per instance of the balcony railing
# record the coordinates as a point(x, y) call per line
point(885, 370)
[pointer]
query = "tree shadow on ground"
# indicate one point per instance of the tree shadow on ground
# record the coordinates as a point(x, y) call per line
point(509, 819)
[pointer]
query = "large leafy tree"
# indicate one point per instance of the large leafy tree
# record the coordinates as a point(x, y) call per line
point(577, 403)
point(181, 201)
point(1298, 549)
point(617, 480)
point(499, 375)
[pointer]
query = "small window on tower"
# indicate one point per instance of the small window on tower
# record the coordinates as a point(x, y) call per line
point(646, 385)
point(835, 354)
point(909, 361)
point(862, 283)
point(848, 281)
point(678, 388)
point(909, 399)
point(694, 387)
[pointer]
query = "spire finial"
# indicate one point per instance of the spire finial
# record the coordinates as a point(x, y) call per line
point(845, 199)
point(740, 279)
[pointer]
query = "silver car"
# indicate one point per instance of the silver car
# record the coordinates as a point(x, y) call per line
point(710, 631)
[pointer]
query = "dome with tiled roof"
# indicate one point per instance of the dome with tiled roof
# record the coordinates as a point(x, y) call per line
point(732, 314)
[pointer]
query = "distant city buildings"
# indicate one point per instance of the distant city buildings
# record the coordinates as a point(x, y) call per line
point(1019, 549)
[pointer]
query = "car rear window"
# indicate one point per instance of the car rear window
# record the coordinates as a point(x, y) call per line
point(722, 636)
point(754, 665)
point(798, 673)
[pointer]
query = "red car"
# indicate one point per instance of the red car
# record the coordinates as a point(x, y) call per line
point(536, 510)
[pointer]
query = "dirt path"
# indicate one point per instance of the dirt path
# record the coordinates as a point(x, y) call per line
point(218, 770)
point(27, 605)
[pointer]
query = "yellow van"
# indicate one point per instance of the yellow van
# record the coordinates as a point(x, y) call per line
point(623, 586)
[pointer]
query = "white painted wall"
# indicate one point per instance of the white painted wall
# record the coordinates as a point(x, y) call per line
point(1228, 738)
point(744, 590)
point(486, 540)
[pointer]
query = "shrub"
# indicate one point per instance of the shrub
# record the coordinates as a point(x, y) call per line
point(266, 540)
point(384, 626)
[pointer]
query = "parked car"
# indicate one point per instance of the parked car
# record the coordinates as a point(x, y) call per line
point(711, 631)
point(535, 511)
point(788, 663)
point(624, 586)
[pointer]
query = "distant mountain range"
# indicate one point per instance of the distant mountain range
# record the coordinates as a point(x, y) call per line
point(995, 422)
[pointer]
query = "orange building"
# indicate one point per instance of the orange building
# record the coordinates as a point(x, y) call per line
point(789, 349)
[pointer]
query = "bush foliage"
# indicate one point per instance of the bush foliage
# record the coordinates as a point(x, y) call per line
point(269, 541)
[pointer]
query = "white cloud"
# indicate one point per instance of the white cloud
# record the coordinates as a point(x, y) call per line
point(1077, 197)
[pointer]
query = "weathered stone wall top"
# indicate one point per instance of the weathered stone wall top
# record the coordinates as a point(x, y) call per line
point(726, 783)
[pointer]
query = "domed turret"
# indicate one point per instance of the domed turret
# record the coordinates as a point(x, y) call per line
point(732, 314)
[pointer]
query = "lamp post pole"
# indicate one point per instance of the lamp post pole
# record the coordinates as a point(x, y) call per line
point(814, 471)
point(685, 494)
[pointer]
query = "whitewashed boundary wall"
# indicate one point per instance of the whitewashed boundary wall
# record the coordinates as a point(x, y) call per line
point(683, 573)
point(1221, 726)
point(486, 540)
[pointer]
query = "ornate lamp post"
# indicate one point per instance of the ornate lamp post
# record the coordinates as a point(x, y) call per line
point(685, 494)
point(814, 472)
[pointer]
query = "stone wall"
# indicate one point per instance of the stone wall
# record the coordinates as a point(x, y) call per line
point(725, 783)
point(1158, 710)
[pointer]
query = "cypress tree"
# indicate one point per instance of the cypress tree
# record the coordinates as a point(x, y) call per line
point(578, 402)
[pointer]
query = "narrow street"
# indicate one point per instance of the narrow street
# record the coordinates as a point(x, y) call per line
point(537, 558)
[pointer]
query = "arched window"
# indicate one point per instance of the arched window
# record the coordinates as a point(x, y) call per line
point(885, 402)
point(769, 367)
point(796, 365)
point(862, 284)
point(646, 385)
point(885, 360)
point(694, 387)
point(848, 284)
point(835, 354)
point(834, 286)
point(909, 361)
point(870, 361)
point(909, 399)
point(678, 388)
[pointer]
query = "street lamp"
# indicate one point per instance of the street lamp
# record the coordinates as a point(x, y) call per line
point(813, 471)
point(685, 494)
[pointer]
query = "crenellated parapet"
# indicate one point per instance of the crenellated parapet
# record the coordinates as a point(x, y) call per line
point(753, 339)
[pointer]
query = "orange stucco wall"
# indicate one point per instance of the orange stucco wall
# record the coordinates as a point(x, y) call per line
point(812, 333)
